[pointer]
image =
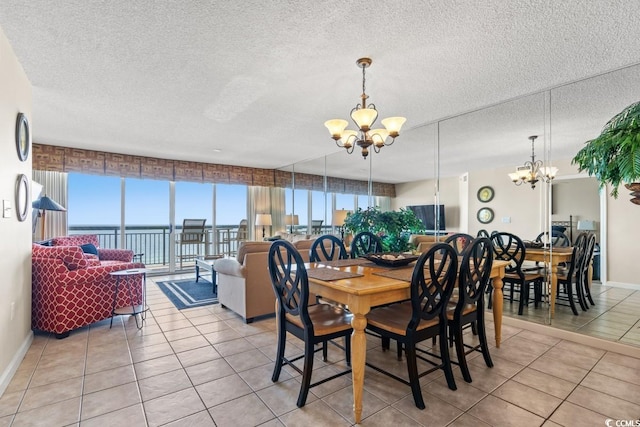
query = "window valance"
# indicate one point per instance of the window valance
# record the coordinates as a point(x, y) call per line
point(64, 159)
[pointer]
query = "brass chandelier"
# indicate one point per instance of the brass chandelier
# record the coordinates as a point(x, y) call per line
point(534, 170)
point(364, 116)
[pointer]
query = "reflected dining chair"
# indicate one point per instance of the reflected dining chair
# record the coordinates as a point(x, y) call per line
point(558, 238)
point(365, 243)
point(483, 233)
point(459, 242)
point(313, 324)
point(421, 318)
point(584, 267)
point(509, 247)
point(570, 276)
point(468, 306)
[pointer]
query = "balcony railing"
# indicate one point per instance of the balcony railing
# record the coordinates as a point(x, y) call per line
point(152, 241)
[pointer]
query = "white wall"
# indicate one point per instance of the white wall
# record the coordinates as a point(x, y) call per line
point(623, 235)
point(579, 199)
point(423, 193)
point(15, 236)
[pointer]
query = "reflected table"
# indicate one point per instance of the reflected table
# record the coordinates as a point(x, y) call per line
point(552, 259)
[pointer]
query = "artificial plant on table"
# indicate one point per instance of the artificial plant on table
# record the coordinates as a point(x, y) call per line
point(393, 227)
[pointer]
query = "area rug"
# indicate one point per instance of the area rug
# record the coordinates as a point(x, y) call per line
point(187, 293)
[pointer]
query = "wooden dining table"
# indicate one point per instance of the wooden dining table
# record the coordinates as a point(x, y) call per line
point(368, 288)
point(552, 258)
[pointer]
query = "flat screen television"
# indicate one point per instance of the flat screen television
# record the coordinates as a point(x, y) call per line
point(427, 214)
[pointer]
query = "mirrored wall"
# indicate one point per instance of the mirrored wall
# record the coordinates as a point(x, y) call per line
point(449, 161)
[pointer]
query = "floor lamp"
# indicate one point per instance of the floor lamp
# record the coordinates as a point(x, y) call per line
point(338, 219)
point(263, 220)
point(44, 204)
point(291, 220)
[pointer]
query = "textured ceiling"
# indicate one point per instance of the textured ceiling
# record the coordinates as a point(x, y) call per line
point(257, 79)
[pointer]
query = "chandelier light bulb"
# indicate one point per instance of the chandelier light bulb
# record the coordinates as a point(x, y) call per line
point(336, 127)
point(393, 125)
point(348, 138)
point(379, 136)
point(364, 118)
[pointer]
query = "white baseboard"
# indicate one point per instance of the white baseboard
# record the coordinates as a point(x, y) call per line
point(616, 347)
point(634, 286)
point(13, 366)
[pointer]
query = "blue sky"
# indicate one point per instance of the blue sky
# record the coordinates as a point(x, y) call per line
point(95, 200)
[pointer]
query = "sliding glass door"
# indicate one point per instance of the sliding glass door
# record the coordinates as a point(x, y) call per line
point(146, 221)
point(93, 207)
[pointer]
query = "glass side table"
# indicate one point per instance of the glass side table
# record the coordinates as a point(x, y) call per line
point(206, 263)
point(134, 309)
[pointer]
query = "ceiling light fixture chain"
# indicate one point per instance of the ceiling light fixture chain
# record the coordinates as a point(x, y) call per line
point(534, 170)
point(364, 116)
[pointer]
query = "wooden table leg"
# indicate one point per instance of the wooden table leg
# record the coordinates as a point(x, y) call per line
point(358, 356)
point(498, 301)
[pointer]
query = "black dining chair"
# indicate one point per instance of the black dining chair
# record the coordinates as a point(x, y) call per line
point(509, 247)
point(459, 242)
point(365, 243)
point(468, 306)
point(421, 318)
point(327, 248)
point(313, 324)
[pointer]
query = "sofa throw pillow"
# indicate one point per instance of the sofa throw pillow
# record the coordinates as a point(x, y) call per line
point(89, 248)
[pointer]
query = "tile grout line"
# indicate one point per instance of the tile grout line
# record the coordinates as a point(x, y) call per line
point(565, 400)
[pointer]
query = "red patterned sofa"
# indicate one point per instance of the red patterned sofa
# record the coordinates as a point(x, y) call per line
point(122, 255)
point(71, 289)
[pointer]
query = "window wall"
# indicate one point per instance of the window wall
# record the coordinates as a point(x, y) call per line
point(321, 208)
point(150, 219)
point(94, 207)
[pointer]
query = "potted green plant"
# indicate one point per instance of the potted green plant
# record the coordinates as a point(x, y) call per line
point(393, 227)
point(614, 156)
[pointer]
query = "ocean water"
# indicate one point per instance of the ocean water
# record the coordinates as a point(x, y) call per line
point(151, 241)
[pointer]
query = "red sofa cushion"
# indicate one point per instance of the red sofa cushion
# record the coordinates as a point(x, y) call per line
point(72, 256)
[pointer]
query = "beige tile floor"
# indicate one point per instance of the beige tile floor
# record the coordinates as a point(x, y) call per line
point(205, 367)
point(615, 316)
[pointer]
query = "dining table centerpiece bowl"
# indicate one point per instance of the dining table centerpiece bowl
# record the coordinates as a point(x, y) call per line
point(533, 244)
point(392, 259)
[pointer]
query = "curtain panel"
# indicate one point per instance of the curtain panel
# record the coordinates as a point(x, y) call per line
point(54, 185)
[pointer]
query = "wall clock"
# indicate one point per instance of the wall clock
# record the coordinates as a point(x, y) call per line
point(23, 137)
point(485, 215)
point(485, 194)
point(22, 197)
